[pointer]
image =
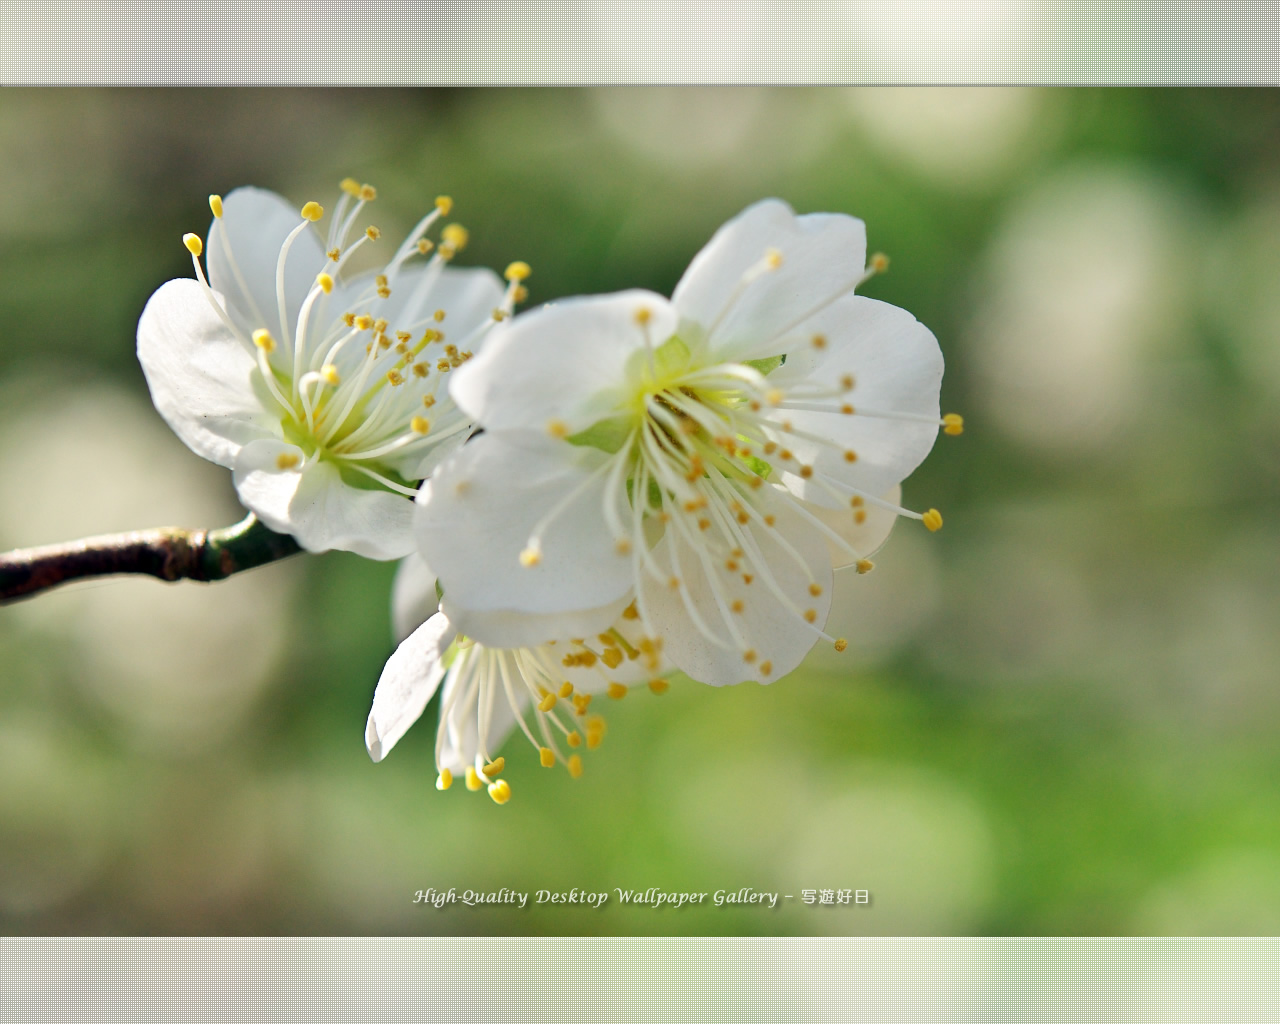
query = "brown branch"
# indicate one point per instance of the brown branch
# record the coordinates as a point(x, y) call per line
point(169, 553)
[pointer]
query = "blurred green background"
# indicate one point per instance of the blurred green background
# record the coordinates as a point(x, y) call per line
point(1056, 716)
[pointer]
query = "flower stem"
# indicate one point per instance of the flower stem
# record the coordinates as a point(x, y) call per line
point(168, 553)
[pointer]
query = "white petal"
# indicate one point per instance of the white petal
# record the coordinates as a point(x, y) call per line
point(865, 538)
point(200, 375)
point(477, 511)
point(413, 596)
point(249, 236)
point(318, 508)
point(823, 255)
point(503, 628)
point(777, 634)
point(897, 366)
point(568, 361)
point(407, 684)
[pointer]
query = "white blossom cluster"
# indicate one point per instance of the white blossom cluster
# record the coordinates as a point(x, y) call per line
point(588, 496)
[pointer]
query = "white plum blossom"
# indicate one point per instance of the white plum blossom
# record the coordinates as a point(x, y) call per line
point(323, 392)
point(718, 454)
point(545, 689)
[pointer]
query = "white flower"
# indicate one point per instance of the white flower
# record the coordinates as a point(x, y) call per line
point(731, 446)
point(544, 689)
point(323, 394)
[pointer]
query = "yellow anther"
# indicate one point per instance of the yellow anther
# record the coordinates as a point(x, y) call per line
point(368, 193)
point(329, 374)
point(498, 314)
point(574, 764)
point(499, 791)
point(704, 523)
point(395, 378)
point(518, 271)
point(215, 204)
point(766, 668)
point(730, 565)
point(953, 424)
point(611, 656)
point(547, 757)
point(455, 235)
point(770, 520)
point(334, 255)
point(325, 282)
point(473, 779)
point(879, 263)
point(349, 319)
point(312, 211)
point(287, 460)
point(622, 546)
point(749, 655)
point(932, 520)
point(850, 455)
point(847, 382)
point(193, 243)
point(815, 589)
point(419, 424)
point(643, 315)
point(864, 566)
point(841, 644)
point(547, 703)
point(425, 245)
point(566, 690)
point(659, 686)
point(427, 400)
point(364, 321)
point(444, 204)
point(747, 578)
point(519, 293)
point(847, 409)
point(806, 472)
point(444, 780)
point(530, 557)
point(819, 341)
point(350, 186)
point(810, 615)
point(773, 258)
point(372, 233)
point(860, 516)
point(443, 365)
point(495, 766)
point(581, 701)
point(737, 607)
point(630, 612)
point(774, 396)
point(262, 338)
point(857, 501)
point(558, 429)
point(574, 739)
